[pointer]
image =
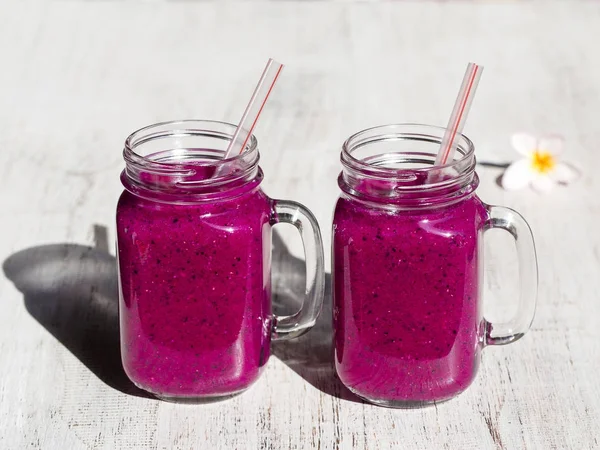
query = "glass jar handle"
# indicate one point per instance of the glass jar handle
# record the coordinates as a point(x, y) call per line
point(511, 221)
point(289, 327)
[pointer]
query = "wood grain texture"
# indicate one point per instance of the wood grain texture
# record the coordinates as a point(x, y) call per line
point(77, 77)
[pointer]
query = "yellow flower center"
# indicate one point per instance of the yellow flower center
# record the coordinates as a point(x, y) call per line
point(542, 162)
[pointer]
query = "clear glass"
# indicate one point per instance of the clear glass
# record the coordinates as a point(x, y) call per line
point(407, 268)
point(194, 256)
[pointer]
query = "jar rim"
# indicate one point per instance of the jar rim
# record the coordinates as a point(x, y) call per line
point(145, 134)
point(181, 161)
point(405, 176)
point(395, 131)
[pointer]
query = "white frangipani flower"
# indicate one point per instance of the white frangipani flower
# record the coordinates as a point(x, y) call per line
point(540, 168)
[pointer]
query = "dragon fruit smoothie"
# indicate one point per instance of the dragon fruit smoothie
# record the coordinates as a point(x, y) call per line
point(407, 264)
point(194, 262)
point(406, 314)
point(195, 310)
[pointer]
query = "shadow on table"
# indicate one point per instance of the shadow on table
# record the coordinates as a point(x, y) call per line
point(311, 355)
point(495, 165)
point(71, 290)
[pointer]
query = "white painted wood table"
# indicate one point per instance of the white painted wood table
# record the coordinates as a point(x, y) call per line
point(76, 78)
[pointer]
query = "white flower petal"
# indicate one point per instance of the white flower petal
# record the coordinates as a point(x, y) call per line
point(564, 173)
point(542, 183)
point(518, 175)
point(552, 144)
point(524, 143)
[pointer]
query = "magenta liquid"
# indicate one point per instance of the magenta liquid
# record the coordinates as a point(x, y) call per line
point(195, 301)
point(406, 315)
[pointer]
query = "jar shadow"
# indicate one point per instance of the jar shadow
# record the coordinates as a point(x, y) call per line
point(72, 291)
point(311, 355)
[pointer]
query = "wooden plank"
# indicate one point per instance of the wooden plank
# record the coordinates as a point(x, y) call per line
point(77, 77)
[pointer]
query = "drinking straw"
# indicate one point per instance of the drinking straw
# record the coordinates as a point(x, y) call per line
point(459, 114)
point(255, 106)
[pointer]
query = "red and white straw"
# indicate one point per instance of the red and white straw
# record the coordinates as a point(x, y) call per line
point(459, 114)
point(255, 106)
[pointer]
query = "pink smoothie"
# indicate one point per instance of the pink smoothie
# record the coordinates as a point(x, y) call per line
point(406, 295)
point(195, 305)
